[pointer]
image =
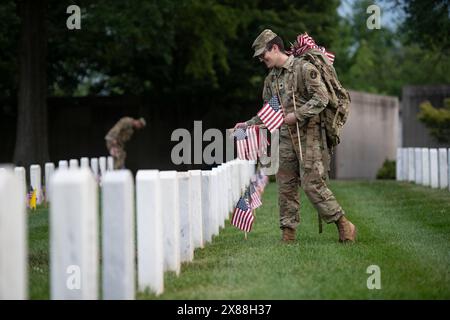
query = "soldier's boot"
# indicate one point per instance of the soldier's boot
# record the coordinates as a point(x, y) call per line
point(288, 235)
point(346, 229)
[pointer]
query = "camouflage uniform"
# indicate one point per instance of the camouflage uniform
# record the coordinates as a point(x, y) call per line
point(116, 138)
point(311, 98)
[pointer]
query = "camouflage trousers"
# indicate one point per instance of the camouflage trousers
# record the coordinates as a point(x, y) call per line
point(312, 181)
point(118, 153)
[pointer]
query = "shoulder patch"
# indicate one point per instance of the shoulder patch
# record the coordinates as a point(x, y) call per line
point(313, 74)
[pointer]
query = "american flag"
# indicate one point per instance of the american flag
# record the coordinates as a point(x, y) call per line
point(271, 114)
point(261, 182)
point(252, 140)
point(241, 143)
point(304, 43)
point(242, 216)
point(255, 196)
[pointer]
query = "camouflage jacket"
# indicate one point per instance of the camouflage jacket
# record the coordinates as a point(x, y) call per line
point(122, 130)
point(301, 77)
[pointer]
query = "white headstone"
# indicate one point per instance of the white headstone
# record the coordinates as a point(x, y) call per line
point(63, 165)
point(73, 235)
point(206, 206)
point(84, 163)
point(411, 165)
point(102, 164)
point(186, 243)
point(35, 181)
point(225, 168)
point(49, 170)
point(214, 212)
point(110, 163)
point(171, 220)
point(222, 195)
point(434, 168)
point(425, 166)
point(73, 164)
point(244, 175)
point(398, 167)
point(230, 188)
point(418, 165)
point(236, 183)
point(405, 165)
point(22, 176)
point(252, 170)
point(13, 235)
point(94, 167)
point(118, 236)
point(149, 232)
point(195, 194)
point(443, 168)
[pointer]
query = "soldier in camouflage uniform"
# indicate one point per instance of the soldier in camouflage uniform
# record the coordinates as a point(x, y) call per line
point(290, 75)
point(118, 135)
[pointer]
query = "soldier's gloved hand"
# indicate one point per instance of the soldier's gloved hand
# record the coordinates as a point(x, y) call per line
point(240, 125)
point(290, 119)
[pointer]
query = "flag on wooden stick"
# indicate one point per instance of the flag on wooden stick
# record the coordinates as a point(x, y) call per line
point(242, 215)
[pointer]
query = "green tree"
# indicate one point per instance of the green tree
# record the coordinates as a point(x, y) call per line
point(427, 23)
point(437, 120)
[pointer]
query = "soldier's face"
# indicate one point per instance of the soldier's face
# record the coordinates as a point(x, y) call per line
point(269, 58)
point(138, 124)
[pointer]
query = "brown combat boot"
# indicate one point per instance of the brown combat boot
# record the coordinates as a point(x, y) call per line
point(347, 230)
point(288, 235)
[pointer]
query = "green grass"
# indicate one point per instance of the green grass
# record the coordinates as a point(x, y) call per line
point(402, 228)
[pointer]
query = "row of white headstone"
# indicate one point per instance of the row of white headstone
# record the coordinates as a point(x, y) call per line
point(98, 166)
point(428, 167)
point(176, 212)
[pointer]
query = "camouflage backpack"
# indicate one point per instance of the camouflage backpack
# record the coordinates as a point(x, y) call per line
point(336, 112)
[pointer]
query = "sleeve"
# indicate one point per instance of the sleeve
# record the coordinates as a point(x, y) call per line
point(266, 95)
point(316, 90)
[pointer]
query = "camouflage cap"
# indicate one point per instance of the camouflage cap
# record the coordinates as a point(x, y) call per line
point(261, 41)
point(142, 120)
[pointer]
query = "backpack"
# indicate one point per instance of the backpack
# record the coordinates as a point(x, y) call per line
point(336, 112)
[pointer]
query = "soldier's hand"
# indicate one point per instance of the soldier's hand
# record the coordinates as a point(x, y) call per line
point(290, 119)
point(240, 125)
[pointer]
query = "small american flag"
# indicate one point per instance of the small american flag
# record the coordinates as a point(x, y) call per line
point(255, 196)
point(252, 139)
point(271, 114)
point(241, 143)
point(242, 216)
point(261, 182)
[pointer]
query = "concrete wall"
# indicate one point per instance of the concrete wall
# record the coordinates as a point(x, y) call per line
point(414, 133)
point(369, 136)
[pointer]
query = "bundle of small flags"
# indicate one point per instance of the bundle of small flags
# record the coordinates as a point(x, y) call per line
point(243, 216)
point(304, 43)
point(251, 143)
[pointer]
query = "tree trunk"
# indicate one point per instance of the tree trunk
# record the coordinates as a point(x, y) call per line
point(32, 132)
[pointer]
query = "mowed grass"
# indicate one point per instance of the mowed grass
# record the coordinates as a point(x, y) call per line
point(402, 228)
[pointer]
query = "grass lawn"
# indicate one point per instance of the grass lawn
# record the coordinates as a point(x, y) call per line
point(402, 228)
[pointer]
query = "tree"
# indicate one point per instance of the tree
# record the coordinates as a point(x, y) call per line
point(437, 120)
point(31, 137)
point(427, 23)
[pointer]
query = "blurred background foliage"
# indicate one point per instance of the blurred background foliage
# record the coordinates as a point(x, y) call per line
point(200, 50)
point(437, 120)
